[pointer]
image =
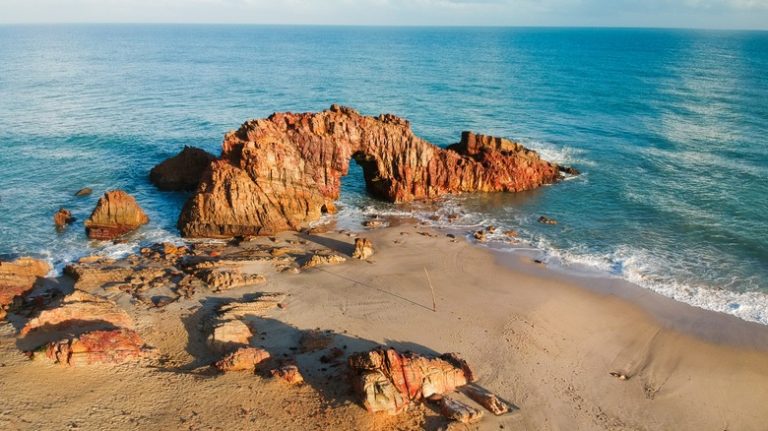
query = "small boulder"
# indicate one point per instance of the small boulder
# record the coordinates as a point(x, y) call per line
point(511, 233)
point(547, 220)
point(375, 223)
point(288, 373)
point(323, 259)
point(182, 171)
point(363, 248)
point(243, 359)
point(62, 218)
point(115, 214)
point(479, 235)
point(84, 192)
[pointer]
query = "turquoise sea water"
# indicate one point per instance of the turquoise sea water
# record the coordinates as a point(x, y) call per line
point(669, 127)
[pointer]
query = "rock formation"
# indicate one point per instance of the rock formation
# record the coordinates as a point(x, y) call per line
point(242, 359)
point(387, 380)
point(18, 277)
point(80, 310)
point(62, 218)
point(96, 347)
point(182, 171)
point(115, 214)
point(363, 248)
point(281, 172)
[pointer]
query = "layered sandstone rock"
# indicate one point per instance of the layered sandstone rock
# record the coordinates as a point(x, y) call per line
point(281, 172)
point(96, 347)
point(115, 214)
point(182, 171)
point(18, 277)
point(387, 380)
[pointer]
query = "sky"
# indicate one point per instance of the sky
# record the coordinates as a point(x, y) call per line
point(720, 14)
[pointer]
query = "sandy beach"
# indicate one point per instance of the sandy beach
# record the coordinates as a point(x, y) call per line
point(546, 341)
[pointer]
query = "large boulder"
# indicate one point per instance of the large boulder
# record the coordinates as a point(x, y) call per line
point(182, 171)
point(387, 380)
point(115, 214)
point(284, 171)
point(18, 277)
point(95, 347)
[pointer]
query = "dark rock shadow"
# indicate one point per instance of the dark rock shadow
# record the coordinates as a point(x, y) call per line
point(334, 244)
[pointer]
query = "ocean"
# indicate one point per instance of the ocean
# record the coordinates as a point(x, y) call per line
point(669, 127)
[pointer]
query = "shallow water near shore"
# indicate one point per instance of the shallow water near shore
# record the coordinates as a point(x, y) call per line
point(668, 127)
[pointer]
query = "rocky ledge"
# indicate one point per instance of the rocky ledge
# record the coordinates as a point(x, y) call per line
point(284, 171)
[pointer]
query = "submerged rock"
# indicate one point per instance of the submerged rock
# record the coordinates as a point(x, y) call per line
point(283, 172)
point(62, 218)
point(387, 380)
point(324, 259)
point(84, 192)
point(182, 171)
point(363, 248)
point(115, 214)
point(547, 220)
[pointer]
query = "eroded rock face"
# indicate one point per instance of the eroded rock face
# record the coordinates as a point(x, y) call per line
point(115, 214)
point(62, 218)
point(363, 248)
point(96, 347)
point(18, 277)
point(281, 172)
point(80, 310)
point(182, 171)
point(387, 380)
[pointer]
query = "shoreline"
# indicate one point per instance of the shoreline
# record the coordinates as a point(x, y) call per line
point(544, 341)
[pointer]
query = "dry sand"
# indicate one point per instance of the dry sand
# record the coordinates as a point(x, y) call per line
point(543, 340)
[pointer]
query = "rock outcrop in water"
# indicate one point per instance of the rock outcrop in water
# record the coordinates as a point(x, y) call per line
point(182, 171)
point(115, 214)
point(281, 172)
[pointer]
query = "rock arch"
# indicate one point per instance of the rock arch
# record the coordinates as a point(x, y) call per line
point(281, 172)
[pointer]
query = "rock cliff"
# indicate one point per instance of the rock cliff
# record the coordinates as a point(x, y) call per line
point(281, 172)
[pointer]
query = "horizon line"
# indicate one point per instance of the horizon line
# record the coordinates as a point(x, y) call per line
point(511, 26)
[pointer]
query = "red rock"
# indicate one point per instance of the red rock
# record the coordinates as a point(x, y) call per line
point(115, 214)
point(182, 171)
point(243, 359)
point(96, 347)
point(18, 277)
point(388, 380)
point(282, 172)
point(363, 248)
point(62, 218)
